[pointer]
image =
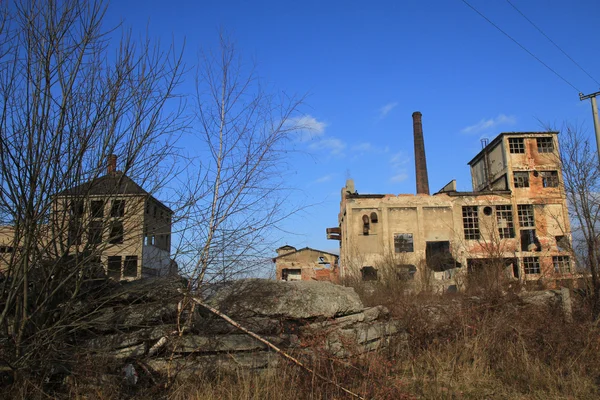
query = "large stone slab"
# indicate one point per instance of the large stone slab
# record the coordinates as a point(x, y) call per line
point(293, 300)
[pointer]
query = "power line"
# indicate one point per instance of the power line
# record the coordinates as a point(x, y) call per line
point(551, 41)
point(521, 46)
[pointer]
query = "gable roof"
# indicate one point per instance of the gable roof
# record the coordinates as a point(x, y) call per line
point(110, 184)
point(304, 249)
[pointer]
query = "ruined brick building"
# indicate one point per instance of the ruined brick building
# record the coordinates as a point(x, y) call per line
point(305, 264)
point(515, 218)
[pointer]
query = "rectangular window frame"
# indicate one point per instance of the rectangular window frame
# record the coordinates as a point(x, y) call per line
point(504, 213)
point(549, 179)
point(404, 243)
point(526, 215)
point(470, 216)
point(113, 266)
point(531, 266)
point(117, 209)
point(545, 145)
point(562, 264)
point(516, 145)
point(521, 179)
point(97, 208)
point(130, 267)
point(95, 232)
point(116, 233)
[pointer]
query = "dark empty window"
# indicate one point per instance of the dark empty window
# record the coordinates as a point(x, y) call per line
point(130, 268)
point(562, 264)
point(525, 214)
point(118, 208)
point(545, 145)
point(374, 217)
point(368, 273)
point(531, 265)
point(438, 256)
point(405, 272)
point(403, 243)
point(74, 232)
point(77, 208)
point(470, 222)
point(116, 232)
point(549, 178)
point(521, 179)
point(504, 218)
point(516, 145)
point(95, 232)
point(562, 243)
point(6, 249)
point(97, 208)
point(114, 266)
point(529, 241)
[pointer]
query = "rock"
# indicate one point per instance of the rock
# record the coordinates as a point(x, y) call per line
point(293, 300)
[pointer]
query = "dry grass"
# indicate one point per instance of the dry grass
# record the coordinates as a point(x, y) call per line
point(457, 347)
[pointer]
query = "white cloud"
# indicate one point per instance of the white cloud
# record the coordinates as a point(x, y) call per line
point(308, 127)
point(486, 124)
point(333, 145)
point(385, 110)
point(325, 178)
point(398, 164)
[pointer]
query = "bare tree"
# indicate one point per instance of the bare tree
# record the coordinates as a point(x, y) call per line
point(69, 97)
point(239, 194)
point(582, 186)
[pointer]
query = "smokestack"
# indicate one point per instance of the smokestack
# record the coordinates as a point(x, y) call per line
point(420, 160)
point(112, 164)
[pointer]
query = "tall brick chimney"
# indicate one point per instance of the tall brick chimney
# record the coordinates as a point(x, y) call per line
point(420, 160)
point(112, 164)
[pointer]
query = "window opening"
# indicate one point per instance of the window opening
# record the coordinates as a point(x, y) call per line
point(131, 266)
point(549, 178)
point(531, 265)
point(516, 145)
point(97, 208)
point(114, 267)
point(487, 210)
point(118, 208)
point(288, 274)
point(562, 243)
point(529, 241)
point(374, 217)
point(365, 219)
point(77, 208)
point(562, 264)
point(368, 273)
point(95, 232)
point(403, 243)
point(470, 222)
point(504, 218)
point(521, 179)
point(545, 145)
point(526, 215)
point(405, 272)
point(116, 232)
point(438, 256)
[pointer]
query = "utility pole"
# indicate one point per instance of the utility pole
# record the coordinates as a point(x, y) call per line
point(592, 97)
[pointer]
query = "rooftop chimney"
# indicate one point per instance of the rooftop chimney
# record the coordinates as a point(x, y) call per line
point(112, 164)
point(420, 160)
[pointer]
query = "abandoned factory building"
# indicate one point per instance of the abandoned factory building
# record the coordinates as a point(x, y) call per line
point(516, 218)
point(305, 264)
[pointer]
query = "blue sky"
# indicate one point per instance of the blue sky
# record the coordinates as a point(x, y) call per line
point(366, 66)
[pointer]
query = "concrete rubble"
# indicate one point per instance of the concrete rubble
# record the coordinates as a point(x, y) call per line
point(299, 317)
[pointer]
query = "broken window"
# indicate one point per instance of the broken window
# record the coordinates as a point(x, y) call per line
point(526, 216)
point(521, 179)
point(118, 208)
point(529, 241)
point(130, 267)
point(95, 232)
point(405, 272)
point(470, 222)
point(291, 274)
point(368, 273)
point(77, 208)
point(545, 145)
point(97, 208)
point(562, 243)
point(504, 217)
point(549, 178)
point(531, 265)
point(562, 264)
point(438, 256)
point(516, 145)
point(116, 232)
point(114, 267)
point(403, 242)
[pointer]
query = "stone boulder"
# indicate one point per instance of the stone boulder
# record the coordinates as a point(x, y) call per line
point(281, 299)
